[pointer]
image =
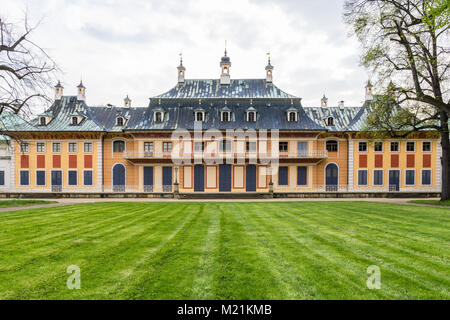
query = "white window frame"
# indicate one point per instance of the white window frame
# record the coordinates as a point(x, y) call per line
point(337, 143)
point(415, 177)
point(202, 113)
point(406, 146)
point(327, 122)
point(382, 146)
point(45, 178)
point(357, 178)
point(77, 121)
point(162, 116)
point(37, 151)
point(149, 143)
point(168, 143)
point(117, 121)
point(68, 181)
point(60, 147)
point(295, 116)
point(84, 147)
point(373, 177)
point(222, 113)
point(398, 144)
point(92, 173)
point(27, 144)
point(367, 147)
point(431, 177)
point(248, 116)
point(124, 146)
point(40, 121)
point(431, 146)
point(76, 147)
point(20, 177)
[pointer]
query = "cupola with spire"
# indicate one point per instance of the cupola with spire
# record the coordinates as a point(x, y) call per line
point(324, 101)
point(181, 70)
point(269, 69)
point(81, 92)
point(127, 102)
point(225, 64)
point(58, 91)
point(369, 93)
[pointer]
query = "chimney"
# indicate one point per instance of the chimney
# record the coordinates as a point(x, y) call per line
point(81, 92)
point(369, 94)
point(127, 102)
point(324, 101)
point(58, 91)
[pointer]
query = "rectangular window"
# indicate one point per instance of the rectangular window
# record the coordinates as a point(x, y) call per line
point(378, 146)
point(302, 148)
point(283, 146)
point(40, 147)
point(167, 146)
point(250, 146)
point(24, 178)
point(25, 147)
point(56, 147)
point(362, 146)
point(88, 147)
point(72, 177)
point(2, 178)
point(302, 179)
point(199, 146)
point(40, 178)
point(395, 146)
point(410, 176)
point(148, 147)
point(225, 146)
point(87, 178)
point(72, 147)
point(426, 146)
point(362, 177)
point(410, 146)
point(378, 177)
point(426, 177)
point(283, 176)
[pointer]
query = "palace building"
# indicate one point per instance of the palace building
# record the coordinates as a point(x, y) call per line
point(210, 136)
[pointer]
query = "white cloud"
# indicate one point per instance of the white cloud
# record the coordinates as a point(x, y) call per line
point(131, 47)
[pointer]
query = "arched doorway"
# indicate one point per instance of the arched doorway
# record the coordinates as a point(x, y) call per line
point(119, 178)
point(331, 177)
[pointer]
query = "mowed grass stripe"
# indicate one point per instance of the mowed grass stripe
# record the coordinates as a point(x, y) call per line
point(403, 267)
point(213, 250)
point(90, 253)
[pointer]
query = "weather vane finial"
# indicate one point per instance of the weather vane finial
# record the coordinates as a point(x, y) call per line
point(268, 56)
point(225, 47)
point(181, 57)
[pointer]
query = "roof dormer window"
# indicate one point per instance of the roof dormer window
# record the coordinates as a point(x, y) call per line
point(119, 121)
point(158, 116)
point(225, 116)
point(74, 121)
point(251, 114)
point(199, 116)
point(330, 121)
point(292, 115)
point(42, 121)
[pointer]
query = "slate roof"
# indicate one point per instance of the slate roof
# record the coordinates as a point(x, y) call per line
point(238, 88)
point(343, 116)
point(179, 106)
point(62, 111)
point(10, 121)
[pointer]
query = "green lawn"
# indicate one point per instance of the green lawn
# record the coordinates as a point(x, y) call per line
point(211, 250)
point(432, 202)
point(20, 203)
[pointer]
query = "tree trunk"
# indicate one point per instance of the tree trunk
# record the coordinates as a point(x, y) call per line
point(445, 159)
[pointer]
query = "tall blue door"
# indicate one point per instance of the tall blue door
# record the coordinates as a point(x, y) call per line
point(331, 177)
point(199, 178)
point(167, 179)
point(148, 179)
point(250, 178)
point(225, 177)
point(119, 177)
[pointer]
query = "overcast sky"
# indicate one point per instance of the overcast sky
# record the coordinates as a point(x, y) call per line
point(131, 47)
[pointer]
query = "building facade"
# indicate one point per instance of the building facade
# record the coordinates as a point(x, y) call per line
point(211, 136)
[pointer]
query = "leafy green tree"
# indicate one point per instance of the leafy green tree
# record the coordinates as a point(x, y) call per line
point(405, 46)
